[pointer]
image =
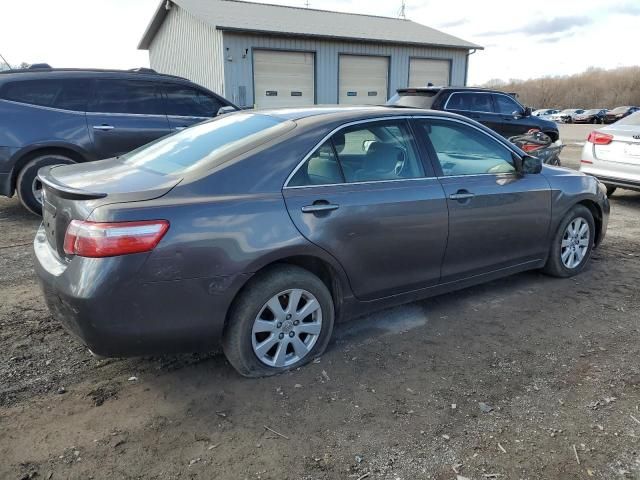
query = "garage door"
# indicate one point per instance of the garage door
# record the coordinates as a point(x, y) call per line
point(363, 80)
point(423, 71)
point(283, 79)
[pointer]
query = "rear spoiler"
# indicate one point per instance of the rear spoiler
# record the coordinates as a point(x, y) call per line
point(64, 191)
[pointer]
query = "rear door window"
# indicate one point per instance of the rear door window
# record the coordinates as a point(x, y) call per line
point(63, 93)
point(470, 102)
point(126, 97)
point(189, 102)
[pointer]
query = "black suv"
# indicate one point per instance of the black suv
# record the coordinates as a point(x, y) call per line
point(51, 116)
point(499, 111)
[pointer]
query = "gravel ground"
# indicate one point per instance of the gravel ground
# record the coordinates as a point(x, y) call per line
point(528, 377)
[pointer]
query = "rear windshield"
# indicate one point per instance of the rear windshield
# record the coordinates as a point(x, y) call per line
point(207, 144)
point(633, 119)
point(422, 99)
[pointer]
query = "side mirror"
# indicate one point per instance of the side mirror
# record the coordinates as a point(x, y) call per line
point(531, 165)
point(225, 109)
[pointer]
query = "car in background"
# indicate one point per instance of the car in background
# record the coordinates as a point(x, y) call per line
point(566, 115)
point(619, 113)
point(612, 154)
point(545, 113)
point(60, 116)
point(594, 115)
point(259, 230)
point(499, 111)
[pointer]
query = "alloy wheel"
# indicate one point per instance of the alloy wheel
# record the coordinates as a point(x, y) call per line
point(575, 243)
point(286, 328)
point(36, 189)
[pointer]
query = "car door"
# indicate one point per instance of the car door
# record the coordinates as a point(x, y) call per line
point(186, 106)
point(498, 217)
point(125, 114)
point(511, 116)
point(384, 217)
point(475, 105)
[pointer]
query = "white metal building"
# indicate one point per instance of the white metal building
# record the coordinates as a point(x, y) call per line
point(269, 55)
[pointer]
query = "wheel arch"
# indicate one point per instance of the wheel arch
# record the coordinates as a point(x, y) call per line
point(596, 212)
point(25, 156)
point(321, 268)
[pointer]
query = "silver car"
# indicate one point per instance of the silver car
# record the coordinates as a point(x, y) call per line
point(612, 154)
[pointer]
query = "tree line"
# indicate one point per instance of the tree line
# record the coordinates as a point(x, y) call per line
point(594, 88)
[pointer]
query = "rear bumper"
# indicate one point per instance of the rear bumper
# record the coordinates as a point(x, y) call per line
point(104, 303)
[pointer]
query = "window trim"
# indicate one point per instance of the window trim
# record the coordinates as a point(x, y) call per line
point(419, 142)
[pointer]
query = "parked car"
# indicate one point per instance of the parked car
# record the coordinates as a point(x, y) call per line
point(52, 116)
point(612, 154)
point(594, 115)
point(567, 115)
point(619, 113)
point(499, 111)
point(257, 230)
point(544, 113)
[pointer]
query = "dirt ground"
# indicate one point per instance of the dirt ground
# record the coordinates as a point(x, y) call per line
point(528, 377)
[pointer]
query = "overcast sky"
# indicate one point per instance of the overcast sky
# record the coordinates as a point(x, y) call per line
point(521, 39)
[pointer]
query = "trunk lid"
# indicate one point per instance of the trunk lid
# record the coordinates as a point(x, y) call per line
point(72, 192)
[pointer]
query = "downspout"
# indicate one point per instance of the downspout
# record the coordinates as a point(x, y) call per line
point(466, 64)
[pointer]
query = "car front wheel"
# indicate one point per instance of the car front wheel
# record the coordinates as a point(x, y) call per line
point(283, 319)
point(572, 244)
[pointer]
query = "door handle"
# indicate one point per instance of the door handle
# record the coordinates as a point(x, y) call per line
point(104, 127)
point(320, 207)
point(461, 195)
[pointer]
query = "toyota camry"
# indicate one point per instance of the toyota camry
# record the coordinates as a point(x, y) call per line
point(257, 231)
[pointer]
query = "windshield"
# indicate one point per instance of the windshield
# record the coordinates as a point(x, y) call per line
point(592, 112)
point(633, 120)
point(207, 144)
point(422, 99)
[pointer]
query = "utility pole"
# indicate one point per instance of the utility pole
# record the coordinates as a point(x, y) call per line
point(306, 3)
point(402, 13)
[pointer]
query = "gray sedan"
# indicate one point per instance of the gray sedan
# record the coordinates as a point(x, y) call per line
point(259, 230)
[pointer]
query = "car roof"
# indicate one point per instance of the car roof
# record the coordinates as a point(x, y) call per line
point(34, 73)
point(436, 89)
point(346, 114)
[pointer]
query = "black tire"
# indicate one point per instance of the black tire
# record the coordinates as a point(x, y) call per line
point(237, 337)
point(611, 189)
point(554, 266)
point(27, 177)
point(595, 120)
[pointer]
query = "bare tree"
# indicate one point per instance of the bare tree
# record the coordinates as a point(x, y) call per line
point(593, 88)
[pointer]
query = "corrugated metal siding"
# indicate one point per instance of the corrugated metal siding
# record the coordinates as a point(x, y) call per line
point(187, 47)
point(238, 73)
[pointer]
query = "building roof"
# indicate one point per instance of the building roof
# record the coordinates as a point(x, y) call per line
point(237, 15)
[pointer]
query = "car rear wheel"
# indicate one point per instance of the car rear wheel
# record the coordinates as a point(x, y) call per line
point(572, 244)
point(28, 187)
point(283, 319)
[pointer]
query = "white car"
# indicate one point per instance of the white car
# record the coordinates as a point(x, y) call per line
point(566, 116)
point(545, 113)
point(612, 154)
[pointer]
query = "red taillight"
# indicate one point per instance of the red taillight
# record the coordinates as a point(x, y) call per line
point(599, 138)
point(96, 239)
